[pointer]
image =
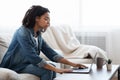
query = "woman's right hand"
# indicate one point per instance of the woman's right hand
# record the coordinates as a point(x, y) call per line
point(61, 71)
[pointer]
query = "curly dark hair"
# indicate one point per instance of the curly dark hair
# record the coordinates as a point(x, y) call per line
point(29, 18)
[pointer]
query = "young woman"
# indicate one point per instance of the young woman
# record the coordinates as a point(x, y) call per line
point(22, 55)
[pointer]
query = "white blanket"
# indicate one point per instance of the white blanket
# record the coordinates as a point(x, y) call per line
point(62, 38)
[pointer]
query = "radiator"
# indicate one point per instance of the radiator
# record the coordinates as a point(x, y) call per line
point(96, 39)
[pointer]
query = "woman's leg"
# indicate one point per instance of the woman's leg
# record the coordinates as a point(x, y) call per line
point(44, 74)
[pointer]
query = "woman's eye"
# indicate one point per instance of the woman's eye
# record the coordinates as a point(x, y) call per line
point(46, 18)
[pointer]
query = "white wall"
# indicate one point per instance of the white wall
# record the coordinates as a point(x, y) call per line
point(100, 14)
point(61, 12)
point(114, 46)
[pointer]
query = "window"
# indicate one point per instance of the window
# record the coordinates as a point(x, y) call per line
point(100, 14)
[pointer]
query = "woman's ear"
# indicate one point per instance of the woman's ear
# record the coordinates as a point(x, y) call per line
point(37, 18)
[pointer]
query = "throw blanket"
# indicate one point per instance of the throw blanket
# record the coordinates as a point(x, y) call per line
point(62, 38)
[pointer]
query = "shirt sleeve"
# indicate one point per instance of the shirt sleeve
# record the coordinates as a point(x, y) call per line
point(49, 52)
point(28, 47)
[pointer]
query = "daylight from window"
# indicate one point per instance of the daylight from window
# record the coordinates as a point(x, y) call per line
point(79, 14)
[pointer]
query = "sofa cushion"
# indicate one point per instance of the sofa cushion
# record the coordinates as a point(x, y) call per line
point(25, 76)
point(7, 74)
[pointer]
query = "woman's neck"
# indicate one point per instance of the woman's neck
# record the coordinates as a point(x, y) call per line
point(36, 29)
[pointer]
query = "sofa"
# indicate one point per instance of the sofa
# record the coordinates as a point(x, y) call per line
point(61, 39)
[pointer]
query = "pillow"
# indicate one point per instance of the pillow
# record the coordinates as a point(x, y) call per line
point(5, 39)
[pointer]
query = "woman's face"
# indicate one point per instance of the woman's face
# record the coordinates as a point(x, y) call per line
point(43, 21)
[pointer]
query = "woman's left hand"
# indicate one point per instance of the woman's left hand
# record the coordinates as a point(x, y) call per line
point(80, 66)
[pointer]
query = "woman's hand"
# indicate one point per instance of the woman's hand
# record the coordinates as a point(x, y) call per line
point(61, 71)
point(65, 61)
point(80, 66)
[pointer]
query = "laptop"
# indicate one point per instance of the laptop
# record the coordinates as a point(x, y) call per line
point(84, 70)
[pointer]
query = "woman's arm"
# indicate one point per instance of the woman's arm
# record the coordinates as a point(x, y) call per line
point(54, 56)
point(49, 52)
point(65, 61)
point(58, 70)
